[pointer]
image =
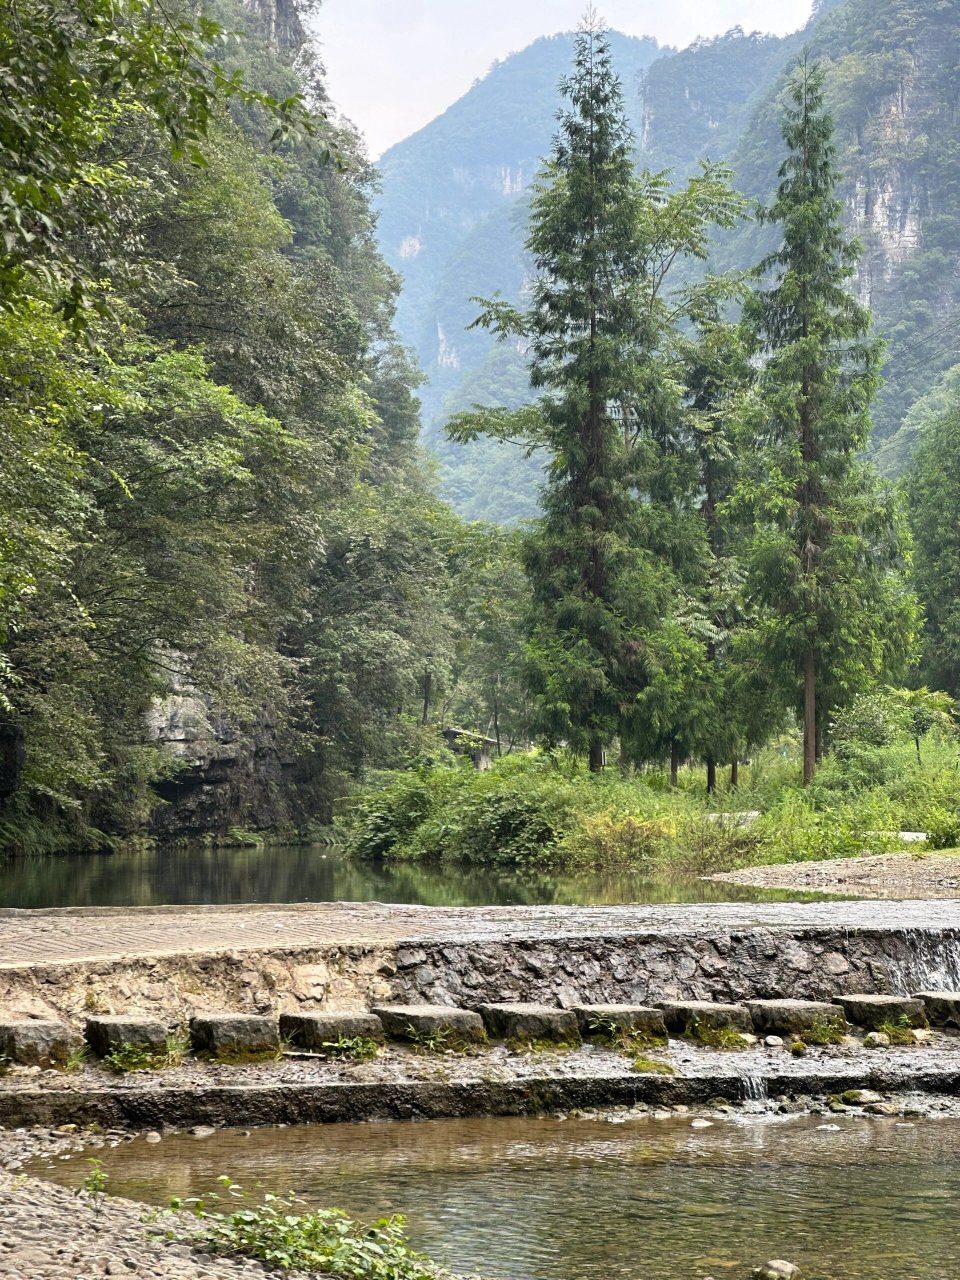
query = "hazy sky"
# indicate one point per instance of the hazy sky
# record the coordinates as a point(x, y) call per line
point(395, 64)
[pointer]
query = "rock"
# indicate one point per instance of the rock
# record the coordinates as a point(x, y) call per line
point(153, 1137)
point(876, 1040)
point(313, 1030)
point(682, 1016)
point(701, 1124)
point(942, 1007)
point(773, 1042)
point(882, 1109)
point(793, 1017)
point(923, 1035)
point(105, 1035)
point(427, 1021)
point(871, 1011)
point(530, 1022)
point(599, 1019)
point(35, 1044)
point(234, 1037)
point(777, 1270)
point(828, 1128)
point(860, 1097)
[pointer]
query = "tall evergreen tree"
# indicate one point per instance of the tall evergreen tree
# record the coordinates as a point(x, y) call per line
point(827, 550)
point(584, 326)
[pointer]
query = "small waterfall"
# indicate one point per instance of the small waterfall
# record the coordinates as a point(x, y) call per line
point(934, 964)
point(753, 1089)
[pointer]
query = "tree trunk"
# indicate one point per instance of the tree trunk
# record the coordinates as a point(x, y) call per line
point(809, 717)
point(427, 689)
point(734, 772)
point(496, 723)
point(711, 776)
point(596, 756)
point(674, 765)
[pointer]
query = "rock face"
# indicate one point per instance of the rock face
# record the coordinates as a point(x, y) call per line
point(942, 1007)
point(234, 1036)
point(37, 1043)
point(872, 1011)
point(314, 1031)
point(427, 1021)
point(683, 1016)
point(530, 1022)
point(105, 1035)
point(793, 1017)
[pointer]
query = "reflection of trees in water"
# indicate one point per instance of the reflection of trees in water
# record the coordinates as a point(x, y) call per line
point(198, 874)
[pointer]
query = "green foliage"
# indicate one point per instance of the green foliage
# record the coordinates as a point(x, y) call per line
point(356, 1048)
point(95, 1184)
point(652, 1067)
point(725, 1038)
point(284, 1233)
point(132, 1057)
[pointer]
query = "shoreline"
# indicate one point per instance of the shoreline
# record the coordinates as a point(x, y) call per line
point(918, 876)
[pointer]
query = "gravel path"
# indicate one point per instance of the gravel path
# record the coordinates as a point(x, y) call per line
point(29, 938)
point(915, 876)
point(48, 1233)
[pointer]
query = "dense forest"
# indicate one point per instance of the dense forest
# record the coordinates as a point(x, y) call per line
point(230, 588)
point(225, 577)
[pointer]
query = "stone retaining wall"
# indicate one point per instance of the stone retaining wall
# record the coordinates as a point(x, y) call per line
point(725, 965)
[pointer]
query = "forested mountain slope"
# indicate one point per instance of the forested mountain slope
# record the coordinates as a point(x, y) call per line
point(452, 218)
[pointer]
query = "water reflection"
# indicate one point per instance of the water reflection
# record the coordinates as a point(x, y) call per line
point(184, 875)
point(645, 1200)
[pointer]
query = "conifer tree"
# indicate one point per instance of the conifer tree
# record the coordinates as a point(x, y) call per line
point(827, 549)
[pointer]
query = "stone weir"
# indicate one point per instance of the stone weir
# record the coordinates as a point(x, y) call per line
point(172, 963)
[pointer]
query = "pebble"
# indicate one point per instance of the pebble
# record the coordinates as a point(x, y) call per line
point(828, 1128)
point(774, 1042)
point(701, 1124)
point(876, 1040)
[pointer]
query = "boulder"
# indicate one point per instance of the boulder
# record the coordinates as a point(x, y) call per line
point(778, 1269)
point(418, 1022)
point(106, 1034)
point(793, 1017)
point(530, 1022)
point(683, 1016)
point(629, 1019)
point(36, 1043)
point(942, 1007)
point(314, 1030)
point(234, 1037)
point(871, 1011)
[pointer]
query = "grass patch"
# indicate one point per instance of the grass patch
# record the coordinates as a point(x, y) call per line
point(285, 1234)
point(628, 1041)
point(134, 1057)
point(824, 1031)
point(900, 1031)
point(652, 1067)
point(540, 1045)
point(442, 1040)
point(356, 1048)
point(715, 1037)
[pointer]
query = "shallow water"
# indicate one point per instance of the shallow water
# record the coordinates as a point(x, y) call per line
point(589, 1200)
point(179, 876)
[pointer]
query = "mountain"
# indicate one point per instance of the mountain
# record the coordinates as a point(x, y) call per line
point(452, 206)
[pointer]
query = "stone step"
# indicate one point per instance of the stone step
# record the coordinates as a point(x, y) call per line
point(871, 1011)
point(105, 1035)
point(530, 1022)
point(682, 1016)
point(942, 1007)
point(630, 1019)
point(234, 1037)
point(416, 1022)
point(34, 1042)
point(793, 1017)
point(313, 1031)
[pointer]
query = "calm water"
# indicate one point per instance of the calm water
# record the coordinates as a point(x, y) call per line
point(320, 874)
point(643, 1200)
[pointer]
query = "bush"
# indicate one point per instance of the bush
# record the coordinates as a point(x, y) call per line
point(286, 1234)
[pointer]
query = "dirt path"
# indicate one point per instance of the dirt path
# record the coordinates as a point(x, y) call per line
point(890, 875)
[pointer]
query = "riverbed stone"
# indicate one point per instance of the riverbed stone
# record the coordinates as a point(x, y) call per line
point(104, 1035)
point(312, 1031)
point(683, 1016)
point(777, 1269)
point(530, 1022)
point(234, 1036)
point(942, 1007)
point(425, 1021)
point(629, 1019)
point(872, 1011)
point(793, 1017)
point(34, 1042)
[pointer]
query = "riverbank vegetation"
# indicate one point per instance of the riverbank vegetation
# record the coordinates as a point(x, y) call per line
point(229, 593)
